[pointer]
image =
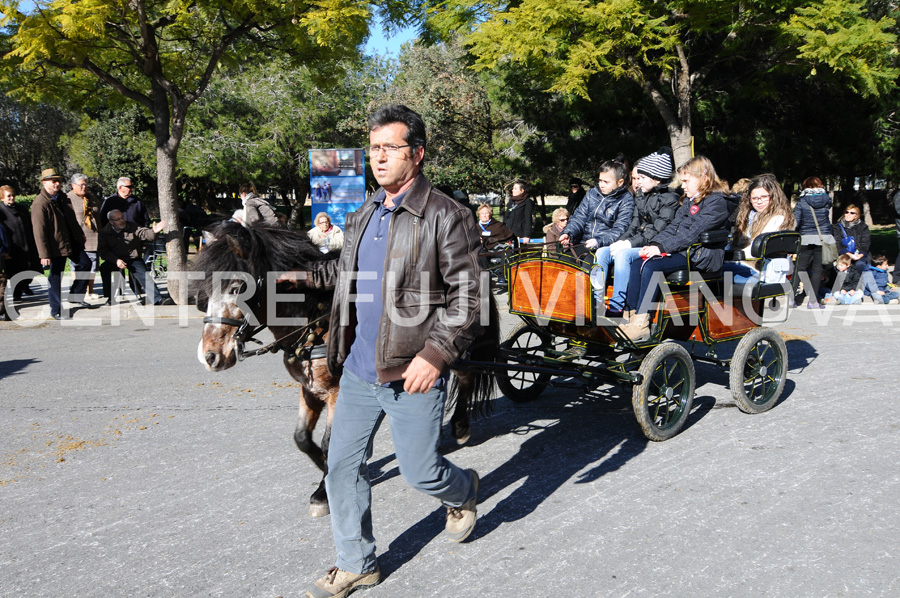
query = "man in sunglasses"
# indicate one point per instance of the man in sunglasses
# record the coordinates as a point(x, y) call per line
point(125, 202)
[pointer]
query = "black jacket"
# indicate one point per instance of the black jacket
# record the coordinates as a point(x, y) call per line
point(859, 230)
point(710, 214)
point(517, 217)
point(653, 212)
point(601, 217)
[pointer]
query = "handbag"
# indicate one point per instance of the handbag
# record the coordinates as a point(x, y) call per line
point(829, 250)
point(847, 241)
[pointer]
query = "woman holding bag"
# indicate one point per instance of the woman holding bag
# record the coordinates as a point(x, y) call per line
point(814, 225)
point(853, 237)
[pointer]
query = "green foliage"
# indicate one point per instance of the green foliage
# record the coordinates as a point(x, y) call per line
point(114, 144)
point(473, 143)
point(30, 141)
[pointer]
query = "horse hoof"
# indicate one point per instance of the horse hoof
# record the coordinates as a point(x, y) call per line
point(460, 441)
point(319, 511)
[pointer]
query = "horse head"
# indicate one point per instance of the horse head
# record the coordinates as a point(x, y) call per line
point(237, 267)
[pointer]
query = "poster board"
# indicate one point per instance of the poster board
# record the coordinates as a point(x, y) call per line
point(337, 182)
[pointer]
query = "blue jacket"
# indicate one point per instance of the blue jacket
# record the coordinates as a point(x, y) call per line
point(819, 201)
point(601, 217)
point(710, 214)
point(881, 279)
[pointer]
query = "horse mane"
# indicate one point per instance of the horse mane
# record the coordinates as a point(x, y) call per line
point(255, 251)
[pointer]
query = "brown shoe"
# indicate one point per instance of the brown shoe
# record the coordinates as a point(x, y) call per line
point(338, 583)
point(461, 520)
point(637, 327)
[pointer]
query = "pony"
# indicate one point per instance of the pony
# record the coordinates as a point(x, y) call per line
point(240, 268)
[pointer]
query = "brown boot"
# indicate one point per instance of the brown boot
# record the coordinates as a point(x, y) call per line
point(638, 327)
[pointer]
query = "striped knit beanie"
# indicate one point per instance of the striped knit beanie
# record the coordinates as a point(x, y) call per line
point(658, 165)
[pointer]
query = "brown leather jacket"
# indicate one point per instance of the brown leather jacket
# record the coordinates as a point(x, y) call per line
point(432, 285)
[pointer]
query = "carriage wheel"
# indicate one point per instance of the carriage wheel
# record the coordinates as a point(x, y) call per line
point(758, 370)
point(662, 401)
point(525, 386)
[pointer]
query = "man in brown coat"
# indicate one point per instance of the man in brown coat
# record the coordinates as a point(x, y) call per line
point(57, 236)
point(119, 246)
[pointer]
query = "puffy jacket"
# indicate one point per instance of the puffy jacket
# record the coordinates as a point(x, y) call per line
point(859, 230)
point(601, 217)
point(653, 212)
point(432, 278)
point(692, 220)
point(259, 212)
point(820, 203)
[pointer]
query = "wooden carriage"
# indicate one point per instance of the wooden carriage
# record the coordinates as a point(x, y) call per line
point(558, 305)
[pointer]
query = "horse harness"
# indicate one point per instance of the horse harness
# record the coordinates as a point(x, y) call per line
point(308, 345)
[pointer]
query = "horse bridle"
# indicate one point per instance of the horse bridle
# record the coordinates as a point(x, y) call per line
point(241, 327)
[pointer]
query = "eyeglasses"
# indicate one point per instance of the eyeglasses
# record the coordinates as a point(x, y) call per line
point(852, 212)
point(765, 197)
point(390, 149)
point(127, 186)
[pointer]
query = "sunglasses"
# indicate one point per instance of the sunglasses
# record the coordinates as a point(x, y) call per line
point(563, 219)
point(852, 212)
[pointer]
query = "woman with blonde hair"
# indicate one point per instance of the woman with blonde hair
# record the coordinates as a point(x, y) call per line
point(329, 237)
point(554, 229)
point(703, 208)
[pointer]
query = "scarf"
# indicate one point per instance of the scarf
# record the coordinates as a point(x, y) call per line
point(517, 199)
point(88, 216)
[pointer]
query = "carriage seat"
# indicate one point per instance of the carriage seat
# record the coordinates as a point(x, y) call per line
point(769, 246)
point(715, 239)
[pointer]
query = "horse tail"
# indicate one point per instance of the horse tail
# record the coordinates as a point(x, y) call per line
point(475, 387)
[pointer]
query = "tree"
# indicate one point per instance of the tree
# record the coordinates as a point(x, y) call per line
point(674, 50)
point(30, 141)
point(473, 143)
point(162, 55)
point(257, 123)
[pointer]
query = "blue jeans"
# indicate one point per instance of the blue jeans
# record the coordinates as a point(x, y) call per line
point(742, 273)
point(644, 270)
point(846, 298)
point(415, 422)
point(621, 275)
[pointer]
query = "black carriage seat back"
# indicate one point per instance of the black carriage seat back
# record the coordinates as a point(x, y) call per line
point(714, 239)
point(769, 246)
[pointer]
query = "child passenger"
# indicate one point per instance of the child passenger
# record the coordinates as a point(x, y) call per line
point(605, 212)
point(764, 208)
point(849, 293)
point(704, 208)
point(879, 291)
point(655, 205)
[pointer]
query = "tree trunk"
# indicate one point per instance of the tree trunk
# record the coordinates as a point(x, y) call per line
point(166, 162)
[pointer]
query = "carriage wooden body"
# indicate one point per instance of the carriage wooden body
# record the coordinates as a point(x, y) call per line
point(562, 341)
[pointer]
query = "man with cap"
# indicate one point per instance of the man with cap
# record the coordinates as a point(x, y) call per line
point(57, 236)
point(654, 208)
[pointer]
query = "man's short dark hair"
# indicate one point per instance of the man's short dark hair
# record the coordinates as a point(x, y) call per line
point(398, 113)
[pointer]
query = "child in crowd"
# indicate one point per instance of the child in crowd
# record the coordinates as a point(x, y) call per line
point(849, 293)
point(880, 291)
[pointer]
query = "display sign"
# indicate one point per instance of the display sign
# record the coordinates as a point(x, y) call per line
point(337, 182)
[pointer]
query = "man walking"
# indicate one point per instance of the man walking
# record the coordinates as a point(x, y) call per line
point(413, 252)
point(57, 236)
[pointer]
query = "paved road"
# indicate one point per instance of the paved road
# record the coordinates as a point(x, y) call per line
point(128, 470)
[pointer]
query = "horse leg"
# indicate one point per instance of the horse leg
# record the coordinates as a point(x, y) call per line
point(459, 421)
point(310, 410)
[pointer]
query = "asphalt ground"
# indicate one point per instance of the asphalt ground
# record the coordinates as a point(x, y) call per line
point(127, 469)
